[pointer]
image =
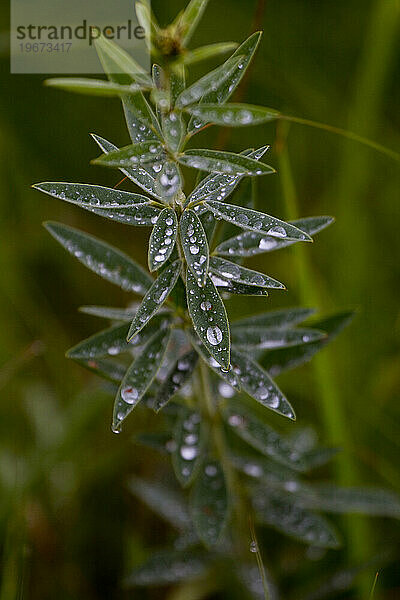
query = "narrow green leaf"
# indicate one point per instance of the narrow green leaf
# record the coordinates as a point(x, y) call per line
point(148, 22)
point(177, 81)
point(101, 258)
point(177, 377)
point(141, 121)
point(227, 286)
point(351, 500)
point(209, 318)
point(91, 196)
point(189, 440)
point(219, 186)
point(227, 87)
point(142, 215)
point(110, 370)
point(178, 295)
point(283, 319)
point(195, 245)
point(112, 341)
point(116, 205)
point(158, 76)
point(139, 175)
point(246, 53)
point(258, 384)
point(250, 243)
point(155, 298)
point(271, 473)
point(208, 222)
point(210, 503)
point(276, 509)
point(116, 61)
point(228, 376)
point(168, 181)
point(163, 239)
point(206, 52)
point(260, 436)
point(209, 83)
point(92, 87)
point(190, 18)
point(233, 115)
point(284, 359)
point(173, 127)
point(247, 218)
point(107, 312)
point(167, 568)
point(319, 457)
point(257, 338)
point(164, 501)
point(130, 156)
point(224, 162)
point(239, 274)
point(140, 376)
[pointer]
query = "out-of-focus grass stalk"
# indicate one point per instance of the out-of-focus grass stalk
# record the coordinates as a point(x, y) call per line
point(364, 114)
point(350, 135)
point(351, 186)
point(329, 397)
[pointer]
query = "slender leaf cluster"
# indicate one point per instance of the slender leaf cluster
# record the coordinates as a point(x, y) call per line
point(186, 359)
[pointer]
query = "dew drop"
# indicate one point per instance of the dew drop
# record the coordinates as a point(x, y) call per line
point(206, 305)
point(262, 393)
point(274, 402)
point(226, 390)
point(253, 547)
point(253, 470)
point(243, 219)
point(191, 439)
point(162, 296)
point(235, 421)
point(113, 351)
point(266, 244)
point(277, 232)
point(188, 452)
point(230, 271)
point(129, 395)
point(214, 335)
point(291, 486)
point(170, 446)
point(245, 117)
point(211, 470)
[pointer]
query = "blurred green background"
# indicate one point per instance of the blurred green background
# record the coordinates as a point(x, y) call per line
point(68, 527)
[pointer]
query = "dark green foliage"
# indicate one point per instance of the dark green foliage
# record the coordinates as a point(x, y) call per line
point(187, 361)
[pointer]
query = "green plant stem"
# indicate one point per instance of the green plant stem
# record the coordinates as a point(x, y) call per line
point(374, 586)
point(350, 135)
point(213, 415)
point(329, 396)
point(351, 192)
point(260, 563)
